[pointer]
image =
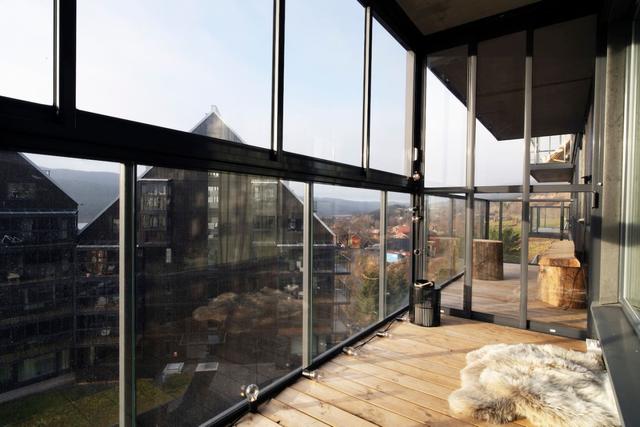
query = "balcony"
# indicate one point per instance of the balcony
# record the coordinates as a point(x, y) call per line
point(210, 210)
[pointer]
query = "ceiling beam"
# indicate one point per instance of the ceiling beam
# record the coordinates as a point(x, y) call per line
point(540, 14)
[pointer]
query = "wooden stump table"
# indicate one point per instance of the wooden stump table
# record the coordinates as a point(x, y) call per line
point(487, 259)
point(561, 278)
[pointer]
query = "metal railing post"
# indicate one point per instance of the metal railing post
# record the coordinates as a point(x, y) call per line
point(382, 276)
point(127, 291)
point(307, 277)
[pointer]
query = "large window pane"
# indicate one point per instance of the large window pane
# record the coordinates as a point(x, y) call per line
point(446, 118)
point(26, 43)
point(500, 110)
point(219, 283)
point(323, 79)
point(58, 291)
point(398, 257)
point(346, 263)
point(388, 95)
point(179, 63)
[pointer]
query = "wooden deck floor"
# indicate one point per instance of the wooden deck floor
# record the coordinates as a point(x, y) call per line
point(403, 380)
point(502, 298)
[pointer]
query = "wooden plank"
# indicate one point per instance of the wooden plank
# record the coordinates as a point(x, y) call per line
point(355, 405)
point(387, 402)
point(256, 420)
point(439, 404)
point(406, 365)
point(429, 387)
point(321, 410)
point(414, 359)
point(460, 337)
point(285, 415)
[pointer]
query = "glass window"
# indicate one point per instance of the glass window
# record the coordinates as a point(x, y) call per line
point(446, 118)
point(500, 110)
point(388, 99)
point(631, 212)
point(445, 246)
point(324, 65)
point(219, 290)
point(552, 298)
point(398, 255)
point(496, 255)
point(200, 66)
point(26, 43)
point(59, 290)
point(346, 263)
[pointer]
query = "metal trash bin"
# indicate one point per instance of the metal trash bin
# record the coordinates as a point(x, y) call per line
point(425, 310)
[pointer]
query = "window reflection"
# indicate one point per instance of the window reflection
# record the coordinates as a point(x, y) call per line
point(58, 291)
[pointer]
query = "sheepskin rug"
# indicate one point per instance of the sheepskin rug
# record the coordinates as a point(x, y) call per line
point(548, 385)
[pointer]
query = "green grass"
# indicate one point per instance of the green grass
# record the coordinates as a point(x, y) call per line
point(87, 405)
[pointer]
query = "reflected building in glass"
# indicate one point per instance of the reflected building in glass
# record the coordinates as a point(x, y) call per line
point(219, 282)
point(38, 223)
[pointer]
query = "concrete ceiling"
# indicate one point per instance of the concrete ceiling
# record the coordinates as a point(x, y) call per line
point(563, 67)
point(431, 16)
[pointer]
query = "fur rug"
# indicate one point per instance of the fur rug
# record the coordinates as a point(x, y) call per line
point(548, 385)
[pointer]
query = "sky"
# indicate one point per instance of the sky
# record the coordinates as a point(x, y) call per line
point(167, 63)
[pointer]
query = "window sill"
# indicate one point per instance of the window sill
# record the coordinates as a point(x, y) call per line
point(621, 351)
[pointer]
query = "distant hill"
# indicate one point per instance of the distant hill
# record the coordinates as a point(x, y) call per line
point(93, 191)
point(326, 207)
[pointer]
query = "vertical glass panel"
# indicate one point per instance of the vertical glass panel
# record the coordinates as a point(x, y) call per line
point(192, 66)
point(219, 284)
point(323, 80)
point(500, 110)
point(445, 246)
point(346, 263)
point(398, 257)
point(26, 43)
point(631, 249)
point(446, 118)
point(388, 100)
point(562, 79)
point(496, 258)
point(558, 291)
point(58, 291)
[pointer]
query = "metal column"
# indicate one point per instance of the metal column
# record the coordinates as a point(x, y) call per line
point(561, 220)
point(524, 232)
point(500, 221)
point(366, 90)
point(472, 62)
point(127, 306)
point(414, 136)
point(277, 76)
point(382, 276)
point(307, 277)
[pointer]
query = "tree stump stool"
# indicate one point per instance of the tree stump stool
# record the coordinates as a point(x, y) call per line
point(487, 259)
point(561, 281)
